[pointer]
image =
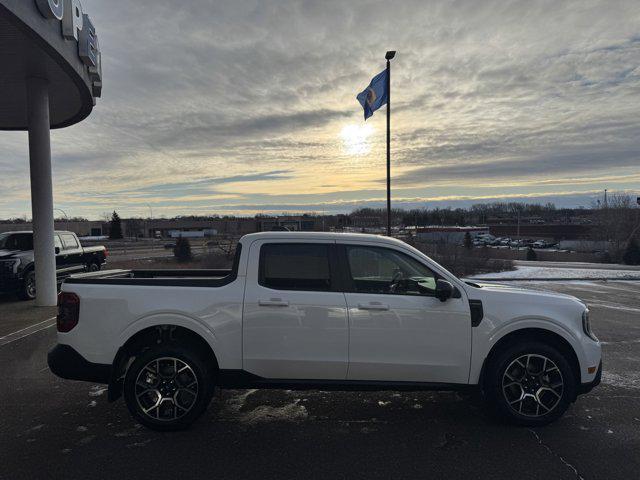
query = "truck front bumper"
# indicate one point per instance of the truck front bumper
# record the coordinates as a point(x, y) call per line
point(65, 362)
point(587, 387)
point(10, 283)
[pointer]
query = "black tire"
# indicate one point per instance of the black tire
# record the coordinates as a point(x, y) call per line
point(542, 400)
point(93, 267)
point(161, 418)
point(28, 289)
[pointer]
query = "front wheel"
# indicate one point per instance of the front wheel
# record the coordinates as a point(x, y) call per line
point(531, 384)
point(28, 290)
point(167, 387)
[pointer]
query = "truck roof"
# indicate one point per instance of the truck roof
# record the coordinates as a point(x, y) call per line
point(31, 231)
point(306, 236)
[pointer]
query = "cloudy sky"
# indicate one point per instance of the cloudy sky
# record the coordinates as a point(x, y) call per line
point(249, 106)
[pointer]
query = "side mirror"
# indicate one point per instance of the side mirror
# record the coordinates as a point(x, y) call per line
point(57, 249)
point(444, 290)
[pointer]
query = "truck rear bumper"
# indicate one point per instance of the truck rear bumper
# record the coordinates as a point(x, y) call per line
point(65, 362)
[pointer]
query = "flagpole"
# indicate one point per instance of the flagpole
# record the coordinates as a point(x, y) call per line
point(389, 56)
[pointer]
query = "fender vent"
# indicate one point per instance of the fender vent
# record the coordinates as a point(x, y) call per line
point(477, 313)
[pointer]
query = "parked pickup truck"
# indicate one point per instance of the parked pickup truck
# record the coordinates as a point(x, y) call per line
point(321, 311)
point(17, 273)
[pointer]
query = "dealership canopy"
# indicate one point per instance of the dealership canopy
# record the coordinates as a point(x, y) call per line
point(50, 76)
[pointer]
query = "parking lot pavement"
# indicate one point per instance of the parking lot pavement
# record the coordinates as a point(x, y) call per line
point(51, 428)
point(21, 316)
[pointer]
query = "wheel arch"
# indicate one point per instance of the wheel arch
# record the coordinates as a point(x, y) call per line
point(533, 334)
point(31, 266)
point(153, 335)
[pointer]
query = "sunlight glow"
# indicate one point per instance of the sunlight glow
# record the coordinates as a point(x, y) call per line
point(355, 139)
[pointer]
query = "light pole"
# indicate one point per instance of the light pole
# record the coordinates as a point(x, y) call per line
point(151, 220)
point(65, 216)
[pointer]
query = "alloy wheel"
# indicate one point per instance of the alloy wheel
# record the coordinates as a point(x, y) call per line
point(30, 285)
point(166, 389)
point(532, 385)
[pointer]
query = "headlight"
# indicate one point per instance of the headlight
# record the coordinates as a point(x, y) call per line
point(9, 266)
point(586, 325)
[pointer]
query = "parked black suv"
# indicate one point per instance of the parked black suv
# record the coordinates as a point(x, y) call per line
point(17, 274)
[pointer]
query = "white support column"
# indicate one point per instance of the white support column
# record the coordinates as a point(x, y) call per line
point(41, 191)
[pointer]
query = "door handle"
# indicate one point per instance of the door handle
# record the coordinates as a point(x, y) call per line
point(274, 302)
point(373, 306)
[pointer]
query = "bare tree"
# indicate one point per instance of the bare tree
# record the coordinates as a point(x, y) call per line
point(616, 221)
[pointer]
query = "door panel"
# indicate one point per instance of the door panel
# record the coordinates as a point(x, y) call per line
point(289, 333)
point(399, 331)
point(408, 338)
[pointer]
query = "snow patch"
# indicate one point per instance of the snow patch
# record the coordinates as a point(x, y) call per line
point(87, 440)
point(292, 412)
point(532, 273)
point(236, 402)
point(97, 390)
point(139, 444)
point(629, 380)
point(129, 432)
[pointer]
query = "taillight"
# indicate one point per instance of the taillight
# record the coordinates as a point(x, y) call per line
point(106, 252)
point(68, 311)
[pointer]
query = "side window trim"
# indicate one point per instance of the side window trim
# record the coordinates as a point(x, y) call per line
point(346, 279)
point(333, 266)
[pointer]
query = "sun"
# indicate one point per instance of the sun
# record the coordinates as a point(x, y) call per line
point(356, 139)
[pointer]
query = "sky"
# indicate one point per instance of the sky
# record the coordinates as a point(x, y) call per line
point(244, 107)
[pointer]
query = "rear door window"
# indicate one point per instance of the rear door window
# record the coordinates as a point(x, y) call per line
point(286, 266)
point(69, 241)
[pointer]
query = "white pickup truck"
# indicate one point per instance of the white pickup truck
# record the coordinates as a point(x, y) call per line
point(321, 311)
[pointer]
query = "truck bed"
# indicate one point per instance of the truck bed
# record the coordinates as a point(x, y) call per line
point(167, 277)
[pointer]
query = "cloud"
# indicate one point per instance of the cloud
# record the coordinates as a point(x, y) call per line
point(210, 105)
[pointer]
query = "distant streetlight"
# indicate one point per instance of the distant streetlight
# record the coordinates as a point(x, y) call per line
point(65, 215)
point(150, 218)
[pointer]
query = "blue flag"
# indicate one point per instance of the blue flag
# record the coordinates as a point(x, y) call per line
point(375, 95)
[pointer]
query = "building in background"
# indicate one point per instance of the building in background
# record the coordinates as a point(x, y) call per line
point(453, 235)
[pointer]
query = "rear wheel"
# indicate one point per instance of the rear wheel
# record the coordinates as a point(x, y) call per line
point(28, 290)
point(530, 384)
point(93, 267)
point(167, 387)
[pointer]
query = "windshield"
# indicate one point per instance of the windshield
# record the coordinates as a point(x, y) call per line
point(16, 241)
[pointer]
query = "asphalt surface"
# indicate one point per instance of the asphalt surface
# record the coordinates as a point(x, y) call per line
point(52, 428)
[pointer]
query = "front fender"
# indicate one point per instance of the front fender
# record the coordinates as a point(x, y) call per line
point(488, 334)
